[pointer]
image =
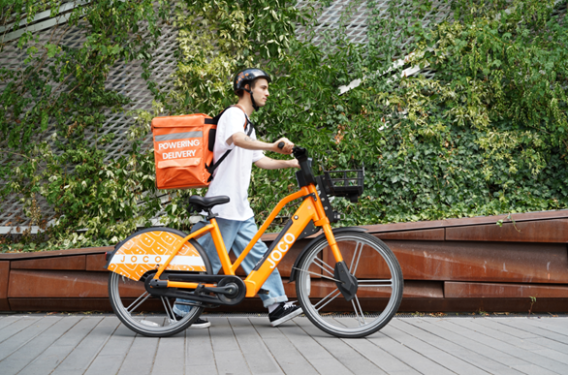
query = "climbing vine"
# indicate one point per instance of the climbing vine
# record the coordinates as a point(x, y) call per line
point(480, 130)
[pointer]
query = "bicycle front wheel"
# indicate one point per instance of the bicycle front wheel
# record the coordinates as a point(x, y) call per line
point(145, 314)
point(379, 291)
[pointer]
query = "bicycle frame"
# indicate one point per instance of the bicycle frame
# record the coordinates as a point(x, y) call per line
point(310, 209)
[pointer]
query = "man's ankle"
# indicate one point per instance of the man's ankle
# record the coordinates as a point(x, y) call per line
point(272, 307)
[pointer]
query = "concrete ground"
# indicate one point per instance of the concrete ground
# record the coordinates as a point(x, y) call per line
point(246, 344)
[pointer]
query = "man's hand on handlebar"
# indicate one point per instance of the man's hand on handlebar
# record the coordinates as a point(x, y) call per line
point(283, 146)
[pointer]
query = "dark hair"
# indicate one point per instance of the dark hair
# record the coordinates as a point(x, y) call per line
point(241, 92)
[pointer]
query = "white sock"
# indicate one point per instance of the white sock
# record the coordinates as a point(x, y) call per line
point(272, 307)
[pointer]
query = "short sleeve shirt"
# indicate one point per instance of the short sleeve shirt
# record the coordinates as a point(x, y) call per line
point(232, 176)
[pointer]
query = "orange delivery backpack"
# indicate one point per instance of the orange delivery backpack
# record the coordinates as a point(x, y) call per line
point(183, 149)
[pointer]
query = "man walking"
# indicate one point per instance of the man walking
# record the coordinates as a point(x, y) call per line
point(232, 178)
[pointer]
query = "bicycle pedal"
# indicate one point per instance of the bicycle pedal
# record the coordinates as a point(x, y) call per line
point(263, 291)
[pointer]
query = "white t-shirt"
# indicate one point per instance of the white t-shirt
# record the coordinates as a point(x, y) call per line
point(232, 176)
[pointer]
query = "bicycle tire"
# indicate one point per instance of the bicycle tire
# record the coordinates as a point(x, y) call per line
point(380, 272)
point(153, 324)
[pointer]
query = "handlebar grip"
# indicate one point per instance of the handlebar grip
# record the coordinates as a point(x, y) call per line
point(280, 145)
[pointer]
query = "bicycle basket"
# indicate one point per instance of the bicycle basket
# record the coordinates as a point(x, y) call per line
point(348, 183)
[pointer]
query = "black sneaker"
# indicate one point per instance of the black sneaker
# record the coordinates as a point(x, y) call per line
point(284, 312)
point(199, 323)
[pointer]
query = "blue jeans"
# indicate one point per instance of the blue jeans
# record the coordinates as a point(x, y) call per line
point(237, 235)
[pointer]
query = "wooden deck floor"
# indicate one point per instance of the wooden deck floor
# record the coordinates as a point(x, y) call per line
point(78, 344)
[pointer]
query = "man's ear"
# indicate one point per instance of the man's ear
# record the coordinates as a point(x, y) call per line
point(247, 87)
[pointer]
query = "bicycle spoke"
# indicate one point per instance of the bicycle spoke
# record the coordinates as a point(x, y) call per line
point(168, 307)
point(324, 298)
point(375, 283)
point(381, 279)
point(356, 304)
point(318, 275)
point(324, 266)
point(129, 309)
point(356, 257)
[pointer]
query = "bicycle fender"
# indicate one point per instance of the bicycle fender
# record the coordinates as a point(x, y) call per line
point(145, 249)
point(312, 242)
point(119, 245)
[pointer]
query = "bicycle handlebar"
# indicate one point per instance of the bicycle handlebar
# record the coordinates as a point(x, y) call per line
point(305, 175)
point(299, 152)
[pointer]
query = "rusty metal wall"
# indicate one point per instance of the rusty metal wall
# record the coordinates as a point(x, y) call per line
point(456, 265)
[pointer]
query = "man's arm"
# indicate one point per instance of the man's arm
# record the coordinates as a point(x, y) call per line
point(269, 163)
point(244, 141)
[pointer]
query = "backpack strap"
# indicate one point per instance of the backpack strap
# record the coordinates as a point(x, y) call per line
point(247, 120)
point(211, 167)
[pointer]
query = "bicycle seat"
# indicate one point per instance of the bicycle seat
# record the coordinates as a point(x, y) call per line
point(206, 203)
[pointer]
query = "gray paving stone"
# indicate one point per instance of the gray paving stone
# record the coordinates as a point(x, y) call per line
point(559, 326)
point(526, 346)
point(558, 322)
point(24, 336)
point(550, 344)
point(78, 361)
point(290, 359)
point(17, 326)
point(349, 357)
point(111, 357)
point(170, 355)
point(100, 345)
point(478, 325)
point(394, 342)
point(199, 355)
point(317, 355)
point(47, 361)
point(228, 355)
point(7, 320)
point(463, 326)
point(453, 348)
point(554, 349)
point(544, 333)
point(508, 329)
point(533, 369)
point(439, 328)
point(255, 352)
point(140, 357)
point(381, 358)
point(27, 353)
point(437, 353)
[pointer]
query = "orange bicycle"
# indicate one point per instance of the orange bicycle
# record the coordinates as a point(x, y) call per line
point(341, 268)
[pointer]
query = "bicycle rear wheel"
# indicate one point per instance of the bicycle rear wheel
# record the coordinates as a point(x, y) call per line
point(379, 292)
point(145, 314)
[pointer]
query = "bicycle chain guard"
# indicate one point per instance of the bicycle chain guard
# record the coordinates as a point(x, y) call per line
point(223, 294)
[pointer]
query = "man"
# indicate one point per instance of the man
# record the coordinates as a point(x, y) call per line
point(232, 178)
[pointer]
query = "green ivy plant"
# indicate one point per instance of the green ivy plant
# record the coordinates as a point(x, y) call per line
point(481, 131)
point(53, 107)
point(487, 134)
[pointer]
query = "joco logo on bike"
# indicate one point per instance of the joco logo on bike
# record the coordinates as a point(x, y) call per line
point(282, 248)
